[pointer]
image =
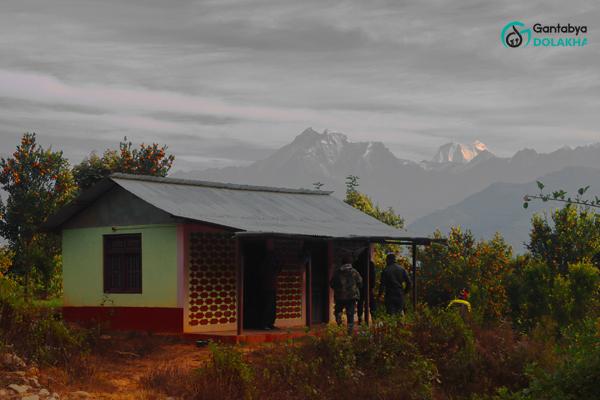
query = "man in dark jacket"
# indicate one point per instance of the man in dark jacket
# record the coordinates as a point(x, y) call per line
point(346, 284)
point(395, 282)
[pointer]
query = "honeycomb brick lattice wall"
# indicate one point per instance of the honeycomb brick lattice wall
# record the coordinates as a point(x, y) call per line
point(212, 280)
point(290, 282)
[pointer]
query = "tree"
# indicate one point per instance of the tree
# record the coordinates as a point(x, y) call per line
point(145, 160)
point(364, 203)
point(572, 235)
point(37, 182)
point(479, 266)
point(561, 196)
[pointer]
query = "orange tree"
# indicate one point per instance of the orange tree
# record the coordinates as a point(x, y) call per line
point(145, 160)
point(37, 181)
point(481, 267)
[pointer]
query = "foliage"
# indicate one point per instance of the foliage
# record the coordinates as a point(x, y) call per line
point(537, 292)
point(145, 160)
point(576, 376)
point(364, 203)
point(481, 267)
point(446, 339)
point(37, 182)
point(388, 216)
point(561, 196)
point(572, 235)
point(6, 258)
point(380, 362)
point(38, 334)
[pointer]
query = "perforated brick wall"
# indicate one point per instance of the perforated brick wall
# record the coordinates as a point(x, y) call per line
point(211, 280)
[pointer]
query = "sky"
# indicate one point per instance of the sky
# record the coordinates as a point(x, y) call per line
point(226, 82)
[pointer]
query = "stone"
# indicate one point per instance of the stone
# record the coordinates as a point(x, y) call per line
point(3, 393)
point(33, 381)
point(31, 397)
point(81, 394)
point(12, 361)
point(44, 392)
point(20, 389)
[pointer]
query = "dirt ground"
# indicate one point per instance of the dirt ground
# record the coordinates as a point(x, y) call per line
point(114, 370)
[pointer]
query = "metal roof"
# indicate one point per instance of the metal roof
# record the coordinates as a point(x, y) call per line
point(255, 209)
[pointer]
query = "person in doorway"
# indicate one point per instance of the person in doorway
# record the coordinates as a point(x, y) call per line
point(361, 311)
point(346, 283)
point(269, 270)
point(395, 283)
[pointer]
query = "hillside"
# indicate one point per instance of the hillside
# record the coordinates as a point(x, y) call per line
point(498, 208)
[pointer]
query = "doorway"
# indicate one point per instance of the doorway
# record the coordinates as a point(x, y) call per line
point(319, 282)
point(254, 253)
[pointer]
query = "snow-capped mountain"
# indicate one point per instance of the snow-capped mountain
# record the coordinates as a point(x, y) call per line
point(325, 154)
point(412, 189)
point(459, 153)
point(326, 157)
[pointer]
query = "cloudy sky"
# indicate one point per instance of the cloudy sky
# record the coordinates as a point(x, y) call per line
point(225, 82)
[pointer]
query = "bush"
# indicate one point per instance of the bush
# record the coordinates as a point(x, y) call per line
point(578, 374)
point(480, 266)
point(445, 338)
point(38, 334)
point(574, 378)
point(538, 292)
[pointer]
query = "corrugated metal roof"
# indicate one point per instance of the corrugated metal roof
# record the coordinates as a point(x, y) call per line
point(241, 207)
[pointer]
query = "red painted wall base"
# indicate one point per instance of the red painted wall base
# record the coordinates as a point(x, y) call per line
point(154, 319)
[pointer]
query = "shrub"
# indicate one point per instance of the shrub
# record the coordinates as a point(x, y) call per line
point(480, 266)
point(38, 334)
point(577, 375)
point(447, 340)
point(537, 292)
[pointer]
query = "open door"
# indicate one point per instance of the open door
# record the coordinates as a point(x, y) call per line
point(319, 283)
point(254, 253)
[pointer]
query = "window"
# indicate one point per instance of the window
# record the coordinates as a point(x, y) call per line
point(123, 263)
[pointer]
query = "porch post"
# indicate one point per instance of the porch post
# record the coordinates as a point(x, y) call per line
point(367, 286)
point(330, 267)
point(309, 292)
point(240, 286)
point(414, 275)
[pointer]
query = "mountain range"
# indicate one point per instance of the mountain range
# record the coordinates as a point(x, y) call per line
point(414, 189)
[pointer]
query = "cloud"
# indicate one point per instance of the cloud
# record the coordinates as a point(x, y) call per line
point(223, 76)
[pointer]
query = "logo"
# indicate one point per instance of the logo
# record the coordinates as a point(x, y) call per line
point(512, 34)
point(517, 34)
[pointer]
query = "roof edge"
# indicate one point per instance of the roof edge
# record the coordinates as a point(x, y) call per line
point(219, 185)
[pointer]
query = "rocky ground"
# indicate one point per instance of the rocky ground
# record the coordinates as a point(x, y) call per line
point(112, 374)
point(19, 381)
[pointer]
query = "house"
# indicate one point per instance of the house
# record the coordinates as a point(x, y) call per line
point(176, 255)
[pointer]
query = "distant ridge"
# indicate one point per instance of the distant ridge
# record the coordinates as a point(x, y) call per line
point(413, 189)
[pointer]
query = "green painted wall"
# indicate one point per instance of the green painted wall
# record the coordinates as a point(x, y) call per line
point(83, 269)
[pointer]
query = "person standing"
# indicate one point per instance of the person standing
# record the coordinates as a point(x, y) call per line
point(395, 282)
point(346, 283)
